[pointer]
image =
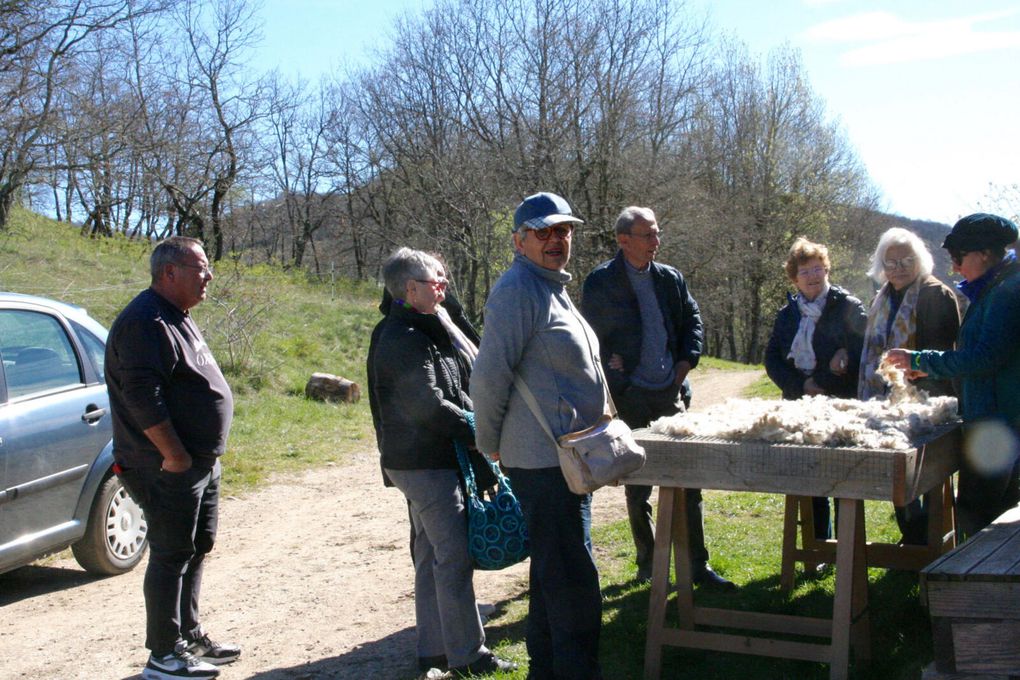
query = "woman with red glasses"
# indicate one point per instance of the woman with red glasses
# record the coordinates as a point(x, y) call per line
point(911, 309)
point(816, 341)
point(986, 361)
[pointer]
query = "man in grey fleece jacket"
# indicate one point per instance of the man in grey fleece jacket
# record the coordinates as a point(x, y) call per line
point(533, 330)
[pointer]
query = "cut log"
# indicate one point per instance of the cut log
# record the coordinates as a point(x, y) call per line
point(329, 387)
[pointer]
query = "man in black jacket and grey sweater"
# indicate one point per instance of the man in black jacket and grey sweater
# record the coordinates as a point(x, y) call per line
point(650, 333)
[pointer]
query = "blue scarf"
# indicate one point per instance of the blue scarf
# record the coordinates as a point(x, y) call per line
point(973, 289)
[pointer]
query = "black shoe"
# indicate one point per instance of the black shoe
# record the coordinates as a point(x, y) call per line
point(644, 574)
point(483, 665)
point(705, 577)
point(210, 651)
point(427, 662)
point(179, 663)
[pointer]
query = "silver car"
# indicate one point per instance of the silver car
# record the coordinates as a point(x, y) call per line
point(57, 486)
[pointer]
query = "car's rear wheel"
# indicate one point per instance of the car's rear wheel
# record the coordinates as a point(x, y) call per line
point(115, 536)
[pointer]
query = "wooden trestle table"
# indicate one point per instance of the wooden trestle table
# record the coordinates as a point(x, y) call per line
point(849, 475)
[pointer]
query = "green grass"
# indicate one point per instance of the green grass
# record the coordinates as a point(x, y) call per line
point(271, 329)
point(744, 534)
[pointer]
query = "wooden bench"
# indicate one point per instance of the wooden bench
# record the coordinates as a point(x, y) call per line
point(973, 597)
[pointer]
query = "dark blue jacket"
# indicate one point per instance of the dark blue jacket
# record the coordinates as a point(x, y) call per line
point(987, 355)
point(610, 306)
point(841, 325)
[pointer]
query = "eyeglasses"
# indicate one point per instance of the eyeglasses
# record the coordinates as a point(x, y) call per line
point(814, 271)
point(902, 263)
point(654, 233)
point(562, 231)
point(202, 269)
point(439, 284)
point(957, 256)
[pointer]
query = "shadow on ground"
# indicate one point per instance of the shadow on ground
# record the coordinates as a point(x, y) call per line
point(34, 580)
point(388, 658)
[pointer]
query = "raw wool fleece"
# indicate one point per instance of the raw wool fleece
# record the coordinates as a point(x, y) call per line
point(894, 423)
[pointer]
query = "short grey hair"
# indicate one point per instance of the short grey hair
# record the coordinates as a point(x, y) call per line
point(406, 264)
point(898, 236)
point(170, 251)
point(631, 215)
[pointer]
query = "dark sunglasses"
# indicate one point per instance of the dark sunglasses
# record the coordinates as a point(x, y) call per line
point(562, 231)
point(957, 256)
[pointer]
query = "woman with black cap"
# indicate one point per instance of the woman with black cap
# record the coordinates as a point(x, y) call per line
point(987, 363)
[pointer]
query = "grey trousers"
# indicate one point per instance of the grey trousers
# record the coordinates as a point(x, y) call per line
point(446, 614)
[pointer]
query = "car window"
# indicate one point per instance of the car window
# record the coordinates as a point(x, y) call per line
point(94, 347)
point(37, 354)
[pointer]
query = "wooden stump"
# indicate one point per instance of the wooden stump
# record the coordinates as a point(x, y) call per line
point(329, 387)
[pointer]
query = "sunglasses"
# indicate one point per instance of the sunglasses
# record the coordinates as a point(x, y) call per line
point(957, 256)
point(562, 231)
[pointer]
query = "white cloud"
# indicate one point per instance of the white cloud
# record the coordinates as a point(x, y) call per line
point(891, 39)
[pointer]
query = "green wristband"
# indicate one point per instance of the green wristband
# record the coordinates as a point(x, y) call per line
point(915, 361)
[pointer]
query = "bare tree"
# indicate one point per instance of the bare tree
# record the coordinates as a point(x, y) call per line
point(39, 42)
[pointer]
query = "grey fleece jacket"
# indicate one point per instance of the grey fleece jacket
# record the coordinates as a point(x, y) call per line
point(533, 329)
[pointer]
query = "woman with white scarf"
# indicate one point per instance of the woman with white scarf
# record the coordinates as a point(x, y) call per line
point(914, 310)
point(816, 341)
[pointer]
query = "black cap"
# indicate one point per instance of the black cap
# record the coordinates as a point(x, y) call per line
point(980, 231)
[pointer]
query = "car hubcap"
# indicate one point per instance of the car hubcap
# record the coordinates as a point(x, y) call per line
point(126, 527)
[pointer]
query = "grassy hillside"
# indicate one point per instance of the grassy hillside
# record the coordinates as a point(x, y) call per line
point(271, 330)
point(268, 329)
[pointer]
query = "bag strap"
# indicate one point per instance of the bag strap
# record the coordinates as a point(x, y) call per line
point(465, 463)
point(465, 470)
point(585, 326)
point(529, 399)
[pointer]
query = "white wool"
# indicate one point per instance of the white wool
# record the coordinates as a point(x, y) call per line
point(894, 423)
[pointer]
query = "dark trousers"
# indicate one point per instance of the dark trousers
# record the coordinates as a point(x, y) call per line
point(913, 520)
point(565, 603)
point(986, 492)
point(182, 511)
point(821, 513)
point(638, 407)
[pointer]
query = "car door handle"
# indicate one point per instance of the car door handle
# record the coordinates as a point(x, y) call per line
point(93, 415)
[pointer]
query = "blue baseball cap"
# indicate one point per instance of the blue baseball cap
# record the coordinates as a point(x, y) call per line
point(543, 210)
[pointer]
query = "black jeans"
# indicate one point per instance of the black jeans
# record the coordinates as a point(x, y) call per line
point(565, 603)
point(182, 511)
point(638, 407)
point(985, 492)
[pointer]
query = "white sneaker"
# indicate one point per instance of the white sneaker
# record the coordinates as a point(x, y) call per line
point(179, 663)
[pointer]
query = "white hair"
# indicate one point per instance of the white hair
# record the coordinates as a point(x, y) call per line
point(404, 265)
point(900, 237)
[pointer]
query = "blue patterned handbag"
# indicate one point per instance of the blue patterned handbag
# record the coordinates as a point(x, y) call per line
point(497, 532)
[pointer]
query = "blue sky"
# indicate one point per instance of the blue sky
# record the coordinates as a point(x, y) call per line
point(928, 91)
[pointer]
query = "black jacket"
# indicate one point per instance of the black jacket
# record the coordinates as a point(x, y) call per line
point(841, 325)
point(609, 304)
point(417, 382)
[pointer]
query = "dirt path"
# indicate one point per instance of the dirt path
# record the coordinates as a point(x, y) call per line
point(311, 575)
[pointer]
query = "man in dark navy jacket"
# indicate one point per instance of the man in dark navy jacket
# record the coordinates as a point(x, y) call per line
point(172, 410)
point(650, 333)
